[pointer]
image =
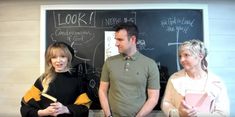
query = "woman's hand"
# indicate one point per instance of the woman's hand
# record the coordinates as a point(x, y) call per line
point(47, 111)
point(59, 108)
point(186, 110)
point(53, 110)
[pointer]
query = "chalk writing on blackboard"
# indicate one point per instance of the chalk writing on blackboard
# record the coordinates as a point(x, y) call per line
point(80, 28)
point(143, 46)
point(177, 24)
point(79, 19)
point(161, 31)
point(114, 19)
point(75, 38)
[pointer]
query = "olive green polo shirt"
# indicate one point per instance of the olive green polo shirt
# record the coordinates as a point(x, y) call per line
point(128, 78)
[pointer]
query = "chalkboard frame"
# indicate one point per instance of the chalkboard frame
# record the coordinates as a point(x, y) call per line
point(44, 8)
point(186, 7)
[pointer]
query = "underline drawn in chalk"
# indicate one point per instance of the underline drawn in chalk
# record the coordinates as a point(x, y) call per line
point(143, 46)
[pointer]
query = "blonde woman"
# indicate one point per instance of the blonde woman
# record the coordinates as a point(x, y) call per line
point(195, 80)
point(59, 82)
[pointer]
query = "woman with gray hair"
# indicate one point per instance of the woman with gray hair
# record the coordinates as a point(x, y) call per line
point(194, 90)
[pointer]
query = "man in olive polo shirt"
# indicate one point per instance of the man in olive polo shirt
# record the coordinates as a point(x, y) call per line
point(129, 83)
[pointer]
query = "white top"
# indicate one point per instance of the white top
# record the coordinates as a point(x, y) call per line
point(179, 83)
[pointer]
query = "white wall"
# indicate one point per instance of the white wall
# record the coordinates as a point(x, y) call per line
point(222, 44)
point(20, 48)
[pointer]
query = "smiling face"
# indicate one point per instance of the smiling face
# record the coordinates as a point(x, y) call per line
point(192, 55)
point(58, 57)
point(188, 60)
point(59, 60)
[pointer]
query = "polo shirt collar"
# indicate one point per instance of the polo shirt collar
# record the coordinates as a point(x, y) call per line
point(133, 57)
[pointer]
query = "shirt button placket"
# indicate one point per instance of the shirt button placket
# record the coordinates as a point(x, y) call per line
point(127, 66)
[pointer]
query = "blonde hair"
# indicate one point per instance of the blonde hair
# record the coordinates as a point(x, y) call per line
point(49, 73)
point(196, 47)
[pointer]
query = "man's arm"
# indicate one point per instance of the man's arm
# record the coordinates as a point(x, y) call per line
point(153, 96)
point(103, 96)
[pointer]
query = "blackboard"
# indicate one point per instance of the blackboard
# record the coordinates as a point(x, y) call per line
point(161, 31)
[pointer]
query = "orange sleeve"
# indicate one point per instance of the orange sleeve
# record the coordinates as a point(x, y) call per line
point(34, 93)
point(83, 99)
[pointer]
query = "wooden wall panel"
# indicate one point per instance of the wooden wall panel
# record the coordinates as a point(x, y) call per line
point(19, 49)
